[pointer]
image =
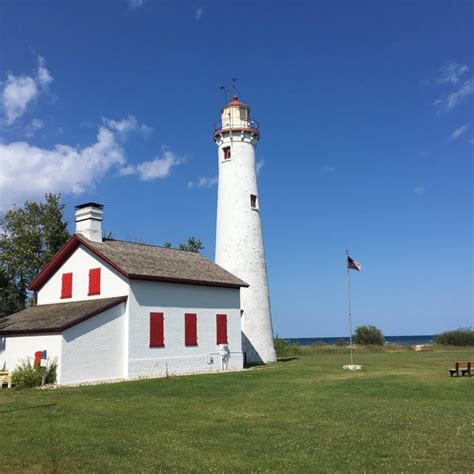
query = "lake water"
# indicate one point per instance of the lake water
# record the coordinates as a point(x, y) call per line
point(404, 340)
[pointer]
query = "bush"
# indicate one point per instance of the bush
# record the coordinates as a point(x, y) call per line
point(369, 335)
point(457, 337)
point(285, 348)
point(26, 375)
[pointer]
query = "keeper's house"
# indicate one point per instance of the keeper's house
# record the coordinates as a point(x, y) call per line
point(109, 309)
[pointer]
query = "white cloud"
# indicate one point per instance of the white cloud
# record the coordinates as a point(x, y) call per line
point(145, 130)
point(134, 4)
point(33, 127)
point(123, 127)
point(458, 132)
point(203, 182)
point(127, 170)
point(259, 166)
point(198, 11)
point(455, 97)
point(327, 169)
point(158, 168)
point(451, 73)
point(20, 91)
point(27, 171)
point(419, 190)
point(43, 75)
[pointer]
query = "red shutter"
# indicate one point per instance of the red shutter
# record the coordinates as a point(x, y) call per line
point(221, 328)
point(190, 329)
point(157, 336)
point(66, 285)
point(94, 281)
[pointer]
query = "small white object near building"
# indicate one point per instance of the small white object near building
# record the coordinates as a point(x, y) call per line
point(352, 367)
point(111, 310)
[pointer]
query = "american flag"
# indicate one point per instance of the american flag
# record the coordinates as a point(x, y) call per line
point(352, 264)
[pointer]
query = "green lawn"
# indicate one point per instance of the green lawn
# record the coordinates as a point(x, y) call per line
point(401, 413)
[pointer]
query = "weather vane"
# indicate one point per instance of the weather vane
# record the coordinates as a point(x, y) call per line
point(226, 89)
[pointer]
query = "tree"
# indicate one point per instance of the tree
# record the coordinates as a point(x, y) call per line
point(29, 238)
point(456, 337)
point(369, 335)
point(192, 245)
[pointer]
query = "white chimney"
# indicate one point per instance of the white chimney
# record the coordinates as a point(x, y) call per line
point(89, 221)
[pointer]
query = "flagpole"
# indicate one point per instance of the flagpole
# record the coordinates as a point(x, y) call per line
point(349, 302)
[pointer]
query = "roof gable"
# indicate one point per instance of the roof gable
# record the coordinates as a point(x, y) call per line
point(145, 262)
point(61, 256)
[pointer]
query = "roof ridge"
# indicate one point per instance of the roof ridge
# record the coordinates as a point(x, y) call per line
point(151, 245)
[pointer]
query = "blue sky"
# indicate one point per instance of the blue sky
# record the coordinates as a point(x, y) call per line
point(366, 112)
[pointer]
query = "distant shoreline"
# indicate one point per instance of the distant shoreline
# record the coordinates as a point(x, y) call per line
point(402, 340)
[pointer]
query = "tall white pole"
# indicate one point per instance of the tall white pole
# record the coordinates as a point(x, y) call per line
point(349, 302)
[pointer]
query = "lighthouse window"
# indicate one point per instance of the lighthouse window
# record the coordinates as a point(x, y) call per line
point(226, 151)
point(253, 201)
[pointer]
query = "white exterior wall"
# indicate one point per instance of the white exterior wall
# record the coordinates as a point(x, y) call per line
point(112, 283)
point(14, 349)
point(94, 349)
point(174, 301)
point(239, 241)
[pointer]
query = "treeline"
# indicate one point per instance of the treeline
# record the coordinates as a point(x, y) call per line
point(456, 337)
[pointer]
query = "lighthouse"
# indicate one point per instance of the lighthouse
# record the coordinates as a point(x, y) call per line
point(239, 239)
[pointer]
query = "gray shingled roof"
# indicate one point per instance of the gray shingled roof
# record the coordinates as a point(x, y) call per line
point(143, 261)
point(55, 317)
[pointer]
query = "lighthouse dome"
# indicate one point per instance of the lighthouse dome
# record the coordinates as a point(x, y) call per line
point(236, 116)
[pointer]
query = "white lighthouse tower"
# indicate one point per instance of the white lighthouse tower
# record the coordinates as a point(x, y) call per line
point(239, 241)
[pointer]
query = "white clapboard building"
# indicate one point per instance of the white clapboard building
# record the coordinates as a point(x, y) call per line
point(109, 310)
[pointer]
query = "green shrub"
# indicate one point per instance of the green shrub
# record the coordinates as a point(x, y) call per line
point(26, 375)
point(341, 343)
point(456, 337)
point(369, 335)
point(285, 348)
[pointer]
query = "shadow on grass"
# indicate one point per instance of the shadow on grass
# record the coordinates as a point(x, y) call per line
point(250, 365)
point(29, 408)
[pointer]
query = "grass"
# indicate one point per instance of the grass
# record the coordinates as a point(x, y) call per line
point(401, 413)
